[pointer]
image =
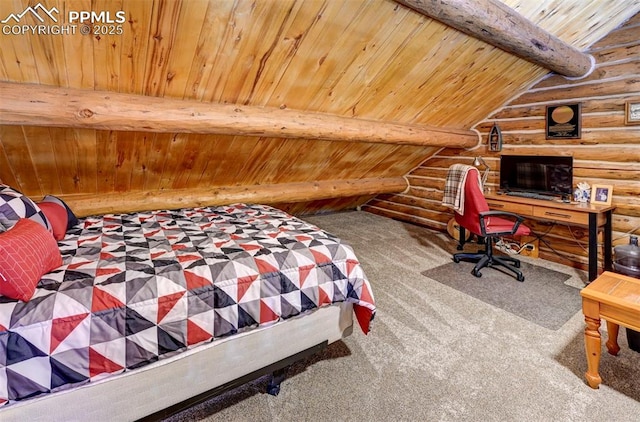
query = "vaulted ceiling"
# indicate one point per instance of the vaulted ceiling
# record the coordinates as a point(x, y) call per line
point(377, 61)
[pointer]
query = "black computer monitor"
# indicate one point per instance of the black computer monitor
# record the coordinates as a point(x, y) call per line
point(537, 173)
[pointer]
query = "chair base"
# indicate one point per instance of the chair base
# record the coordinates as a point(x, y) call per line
point(488, 259)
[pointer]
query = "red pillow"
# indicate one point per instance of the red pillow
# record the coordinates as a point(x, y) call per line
point(27, 252)
point(57, 216)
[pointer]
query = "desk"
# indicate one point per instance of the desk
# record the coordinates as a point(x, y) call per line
point(579, 214)
point(616, 298)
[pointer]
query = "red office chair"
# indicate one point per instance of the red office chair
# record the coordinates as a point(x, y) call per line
point(489, 225)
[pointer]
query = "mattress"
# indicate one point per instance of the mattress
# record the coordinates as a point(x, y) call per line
point(138, 288)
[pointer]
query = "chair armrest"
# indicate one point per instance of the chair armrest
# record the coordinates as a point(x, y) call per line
point(503, 214)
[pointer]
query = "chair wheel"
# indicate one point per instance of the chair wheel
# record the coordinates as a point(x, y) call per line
point(456, 259)
point(476, 273)
point(520, 277)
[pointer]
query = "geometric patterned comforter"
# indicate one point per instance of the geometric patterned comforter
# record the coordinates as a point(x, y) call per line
point(136, 288)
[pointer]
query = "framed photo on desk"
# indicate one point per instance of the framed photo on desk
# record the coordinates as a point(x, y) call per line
point(601, 194)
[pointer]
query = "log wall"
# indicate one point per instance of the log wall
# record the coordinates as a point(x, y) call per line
point(608, 151)
point(374, 61)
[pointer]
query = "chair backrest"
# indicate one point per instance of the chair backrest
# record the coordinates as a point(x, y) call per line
point(474, 203)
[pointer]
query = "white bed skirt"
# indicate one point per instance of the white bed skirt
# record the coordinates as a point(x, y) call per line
point(135, 394)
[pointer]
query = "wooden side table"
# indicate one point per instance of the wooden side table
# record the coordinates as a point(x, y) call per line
point(616, 298)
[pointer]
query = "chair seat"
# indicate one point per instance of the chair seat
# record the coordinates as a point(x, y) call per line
point(502, 225)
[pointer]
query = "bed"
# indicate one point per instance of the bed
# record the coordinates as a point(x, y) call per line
point(167, 305)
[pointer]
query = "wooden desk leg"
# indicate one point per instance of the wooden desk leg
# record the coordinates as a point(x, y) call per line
point(592, 340)
point(612, 341)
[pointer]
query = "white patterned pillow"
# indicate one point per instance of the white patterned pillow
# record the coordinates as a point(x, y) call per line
point(14, 206)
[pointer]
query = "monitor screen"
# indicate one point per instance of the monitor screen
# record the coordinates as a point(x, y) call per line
point(539, 174)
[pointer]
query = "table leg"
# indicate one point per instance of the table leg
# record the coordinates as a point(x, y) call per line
point(593, 246)
point(593, 343)
point(463, 235)
point(607, 242)
point(612, 341)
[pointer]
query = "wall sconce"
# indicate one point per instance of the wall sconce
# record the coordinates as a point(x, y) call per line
point(495, 138)
point(477, 162)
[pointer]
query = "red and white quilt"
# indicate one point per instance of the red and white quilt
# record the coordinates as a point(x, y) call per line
point(136, 288)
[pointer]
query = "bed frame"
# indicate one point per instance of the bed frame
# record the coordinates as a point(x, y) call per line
point(158, 390)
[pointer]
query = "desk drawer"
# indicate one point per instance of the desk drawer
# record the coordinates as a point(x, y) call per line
point(561, 215)
point(522, 209)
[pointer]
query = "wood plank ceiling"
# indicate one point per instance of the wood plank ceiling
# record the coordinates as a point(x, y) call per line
point(374, 60)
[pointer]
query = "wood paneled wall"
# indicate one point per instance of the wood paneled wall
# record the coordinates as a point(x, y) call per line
point(370, 59)
point(129, 164)
point(608, 151)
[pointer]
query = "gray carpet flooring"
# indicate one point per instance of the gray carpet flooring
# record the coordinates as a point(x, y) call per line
point(543, 299)
point(436, 353)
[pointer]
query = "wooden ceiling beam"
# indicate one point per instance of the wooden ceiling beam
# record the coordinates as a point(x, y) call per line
point(119, 202)
point(40, 105)
point(497, 24)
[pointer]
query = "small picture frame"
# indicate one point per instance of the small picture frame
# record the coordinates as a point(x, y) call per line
point(601, 194)
point(563, 121)
point(632, 113)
